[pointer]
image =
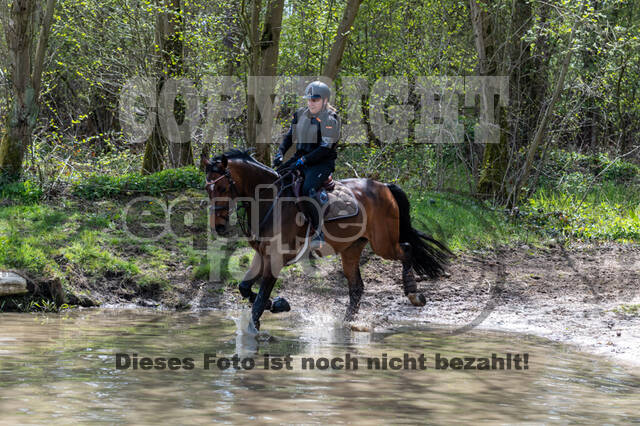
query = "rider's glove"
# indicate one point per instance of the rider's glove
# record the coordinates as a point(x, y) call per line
point(277, 160)
point(299, 163)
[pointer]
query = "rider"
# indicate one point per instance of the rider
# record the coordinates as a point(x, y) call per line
point(316, 129)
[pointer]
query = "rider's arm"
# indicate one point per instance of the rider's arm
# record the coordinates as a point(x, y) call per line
point(330, 133)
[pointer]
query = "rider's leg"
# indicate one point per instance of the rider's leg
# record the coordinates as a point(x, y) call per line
point(314, 177)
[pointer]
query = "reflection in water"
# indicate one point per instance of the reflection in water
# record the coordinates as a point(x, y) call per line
point(62, 368)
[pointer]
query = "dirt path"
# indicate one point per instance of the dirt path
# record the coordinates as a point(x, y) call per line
point(567, 295)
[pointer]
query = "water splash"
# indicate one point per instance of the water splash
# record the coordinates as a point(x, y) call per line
point(245, 325)
point(246, 333)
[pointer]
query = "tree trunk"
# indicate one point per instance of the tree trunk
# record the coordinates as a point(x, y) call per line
point(263, 62)
point(170, 64)
point(25, 82)
point(542, 127)
point(180, 154)
point(254, 67)
point(495, 157)
point(269, 49)
point(340, 42)
point(154, 148)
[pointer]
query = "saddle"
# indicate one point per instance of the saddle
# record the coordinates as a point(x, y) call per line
point(342, 203)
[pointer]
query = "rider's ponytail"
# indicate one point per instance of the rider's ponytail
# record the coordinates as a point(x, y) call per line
point(331, 107)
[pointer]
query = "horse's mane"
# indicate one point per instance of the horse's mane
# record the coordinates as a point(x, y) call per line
point(239, 154)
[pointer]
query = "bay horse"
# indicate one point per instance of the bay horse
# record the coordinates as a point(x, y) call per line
point(383, 220)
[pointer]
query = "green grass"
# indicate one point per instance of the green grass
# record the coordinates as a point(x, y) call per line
point(25, 192)
point(605, 212)
point(65, 242)
point(106, 186)
point(464, 223)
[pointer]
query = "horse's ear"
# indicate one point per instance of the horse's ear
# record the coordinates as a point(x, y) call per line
point(224, 161)
point(204, 160)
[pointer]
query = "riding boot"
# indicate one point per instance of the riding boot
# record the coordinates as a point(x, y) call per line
point(310, 210)
point(318, 240)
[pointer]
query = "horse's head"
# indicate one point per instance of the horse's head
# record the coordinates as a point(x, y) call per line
point(221, 171)
point(221, 189)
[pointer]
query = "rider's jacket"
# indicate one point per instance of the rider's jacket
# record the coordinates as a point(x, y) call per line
point(316, 136)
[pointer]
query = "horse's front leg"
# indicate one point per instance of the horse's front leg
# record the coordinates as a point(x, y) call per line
point(262, 301)
point(252, 275)
point(270, 273)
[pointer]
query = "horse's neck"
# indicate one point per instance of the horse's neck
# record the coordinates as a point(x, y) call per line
point(251, 176)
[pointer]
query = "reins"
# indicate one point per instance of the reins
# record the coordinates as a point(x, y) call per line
point(282, 189)
point(244, 226)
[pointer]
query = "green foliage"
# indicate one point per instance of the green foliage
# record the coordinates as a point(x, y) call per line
point(30, 304)
point(585, 217)
point(104, 186)
point(202, 271)
point(25, 192)
point(573, 170)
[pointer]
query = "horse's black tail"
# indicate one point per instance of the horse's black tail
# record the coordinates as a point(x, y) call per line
point(428, 255)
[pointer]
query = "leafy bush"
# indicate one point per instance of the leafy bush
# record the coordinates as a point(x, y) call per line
point(570, 216)
point(561, 163)
point(574, 182)
point(105, 186)
point(621, 172)
point(25, 192)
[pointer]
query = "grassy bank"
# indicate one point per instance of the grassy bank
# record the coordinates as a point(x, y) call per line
point(100, 242)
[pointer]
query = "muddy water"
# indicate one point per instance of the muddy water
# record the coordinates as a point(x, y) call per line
point(62, 368)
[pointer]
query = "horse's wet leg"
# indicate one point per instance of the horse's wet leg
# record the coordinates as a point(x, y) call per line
point(409, 280)
point(262, 301)
point(355, 294)
point(252, 275)
point(245, 289)
point(351, 269)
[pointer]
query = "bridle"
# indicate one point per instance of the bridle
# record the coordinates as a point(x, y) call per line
point(244, 223)
point(232, 187)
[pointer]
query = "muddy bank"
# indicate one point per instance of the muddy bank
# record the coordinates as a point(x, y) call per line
point(573, 295)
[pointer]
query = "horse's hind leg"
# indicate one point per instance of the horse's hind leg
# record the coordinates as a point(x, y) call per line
point(408, 278)
point(351, 268)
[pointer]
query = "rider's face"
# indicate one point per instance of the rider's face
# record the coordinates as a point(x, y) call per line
point(315, 105)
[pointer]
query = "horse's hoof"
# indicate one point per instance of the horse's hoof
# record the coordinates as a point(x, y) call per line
point(417, 299)
point(280, 304)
